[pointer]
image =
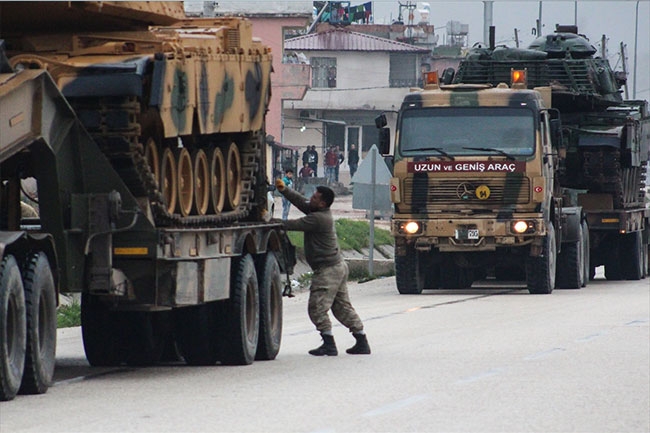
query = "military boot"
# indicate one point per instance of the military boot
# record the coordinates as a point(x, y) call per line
point(361, 347)
point(327, 348)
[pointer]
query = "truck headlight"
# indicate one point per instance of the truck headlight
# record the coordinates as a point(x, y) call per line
point(411, 227)
point(521, 227)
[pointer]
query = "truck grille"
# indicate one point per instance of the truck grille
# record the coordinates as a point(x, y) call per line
point(427, 193)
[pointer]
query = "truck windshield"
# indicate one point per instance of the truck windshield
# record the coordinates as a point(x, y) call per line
point(467, 131)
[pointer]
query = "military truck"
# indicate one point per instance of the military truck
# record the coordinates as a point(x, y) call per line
point(605, 145)
point(475, 190)
point(145, 134)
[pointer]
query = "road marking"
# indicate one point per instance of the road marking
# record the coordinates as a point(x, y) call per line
point(637, 322)
point(396, 405)
point(591, 337)
point(545, 353)
point(483, 375)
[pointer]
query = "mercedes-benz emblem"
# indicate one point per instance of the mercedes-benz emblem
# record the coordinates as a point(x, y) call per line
point(465, 190)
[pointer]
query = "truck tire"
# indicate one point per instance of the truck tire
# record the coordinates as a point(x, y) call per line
point(270, 292)
point(570, 264)
point(148, 333)
point(40, 301)
point(195, 328)
point(540, 271)
point(101, 332)
point(240, 315)
point(631, 256)
point(408, 274)
point(13, 323)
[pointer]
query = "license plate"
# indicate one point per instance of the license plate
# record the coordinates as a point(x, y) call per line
point(465, 234)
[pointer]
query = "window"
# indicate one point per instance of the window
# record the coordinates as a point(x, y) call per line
point(403, 70)
point(323, 72)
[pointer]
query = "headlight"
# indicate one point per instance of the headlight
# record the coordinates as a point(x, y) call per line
point(411, 227)
point(522, 227)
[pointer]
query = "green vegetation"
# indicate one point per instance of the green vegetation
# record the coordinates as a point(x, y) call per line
point(352, 235)
point(68, 315)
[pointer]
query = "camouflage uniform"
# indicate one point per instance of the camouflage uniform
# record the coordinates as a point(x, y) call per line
point(329, 283)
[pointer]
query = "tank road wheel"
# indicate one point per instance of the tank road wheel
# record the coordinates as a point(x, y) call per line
point(100, 331)
point(570, 264)
point(540, 271)
point(217, 180)
point(201, 182)
point(408, 274)
point(153, 158)
point(270, 288)
point(13, 321)
point(40, 300)
point(240, 315)
point(631, 256)
point(168, 179)
point(233, 177)
point(185, 181)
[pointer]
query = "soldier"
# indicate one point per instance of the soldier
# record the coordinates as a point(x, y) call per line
point(329, 282)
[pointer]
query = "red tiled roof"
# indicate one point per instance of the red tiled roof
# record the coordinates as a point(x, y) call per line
point(346, 40)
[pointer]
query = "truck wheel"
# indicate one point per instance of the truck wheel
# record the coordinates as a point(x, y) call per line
point(149, 332)
point(40, 300)
point(100, 331)
point(270, 288)
point(586, 255)
point(240, 318)
point(13, 325)
point(570, 264)
point(540, 271)
point(195, 328)
point(631, 256)
point(408, 275)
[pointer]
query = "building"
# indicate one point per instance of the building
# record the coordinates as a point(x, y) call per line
point(355, 77)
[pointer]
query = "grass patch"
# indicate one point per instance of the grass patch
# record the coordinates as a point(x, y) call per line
point(352, 235)
point(68, 316)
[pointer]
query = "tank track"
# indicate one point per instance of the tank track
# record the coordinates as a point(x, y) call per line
point(624, 184)
point(113, 122)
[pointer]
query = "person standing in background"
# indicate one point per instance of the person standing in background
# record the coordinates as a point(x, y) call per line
point(306, 171)
point(286, 204)
point(339, 160)
point(353, 159)
point(331, 161)
point(312, 159)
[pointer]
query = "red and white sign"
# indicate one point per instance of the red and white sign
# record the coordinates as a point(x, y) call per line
point(467, 166)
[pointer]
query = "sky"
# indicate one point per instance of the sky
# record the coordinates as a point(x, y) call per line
point(615, 19)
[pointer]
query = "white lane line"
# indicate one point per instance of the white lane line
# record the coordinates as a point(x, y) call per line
point(483, 375)
point(591, 337)
point(396, 405)
point(545, 353)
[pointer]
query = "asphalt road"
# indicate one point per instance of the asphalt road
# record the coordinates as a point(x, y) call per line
point(481, 360)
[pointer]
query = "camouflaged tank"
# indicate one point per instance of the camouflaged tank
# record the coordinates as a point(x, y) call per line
point(176, 105)
point(606, 139)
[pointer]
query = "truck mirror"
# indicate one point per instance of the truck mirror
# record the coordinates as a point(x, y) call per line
point(384, 141)
point(556, 132)
point(380, 121)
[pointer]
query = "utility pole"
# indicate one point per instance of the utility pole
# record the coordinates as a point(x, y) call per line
point(487, 21)
point(636, 44)
point(624, 62)
point(603, 47)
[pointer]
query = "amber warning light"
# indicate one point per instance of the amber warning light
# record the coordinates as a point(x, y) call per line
point(431, 78)
point(518, 76)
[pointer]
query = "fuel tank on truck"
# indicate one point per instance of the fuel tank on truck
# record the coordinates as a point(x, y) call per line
point(177, 105)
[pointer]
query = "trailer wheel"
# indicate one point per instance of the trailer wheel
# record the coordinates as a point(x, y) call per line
point(540, 271)
point(40, 300)
point(100, 331)
point(195, 328)
point(147, 334)
point(570, 264)
point(631, 256)
point(408, 274)
point(240, 318)
point(13, 324)
point(270, 288)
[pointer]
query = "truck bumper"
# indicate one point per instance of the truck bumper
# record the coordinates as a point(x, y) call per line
point(485, 233)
